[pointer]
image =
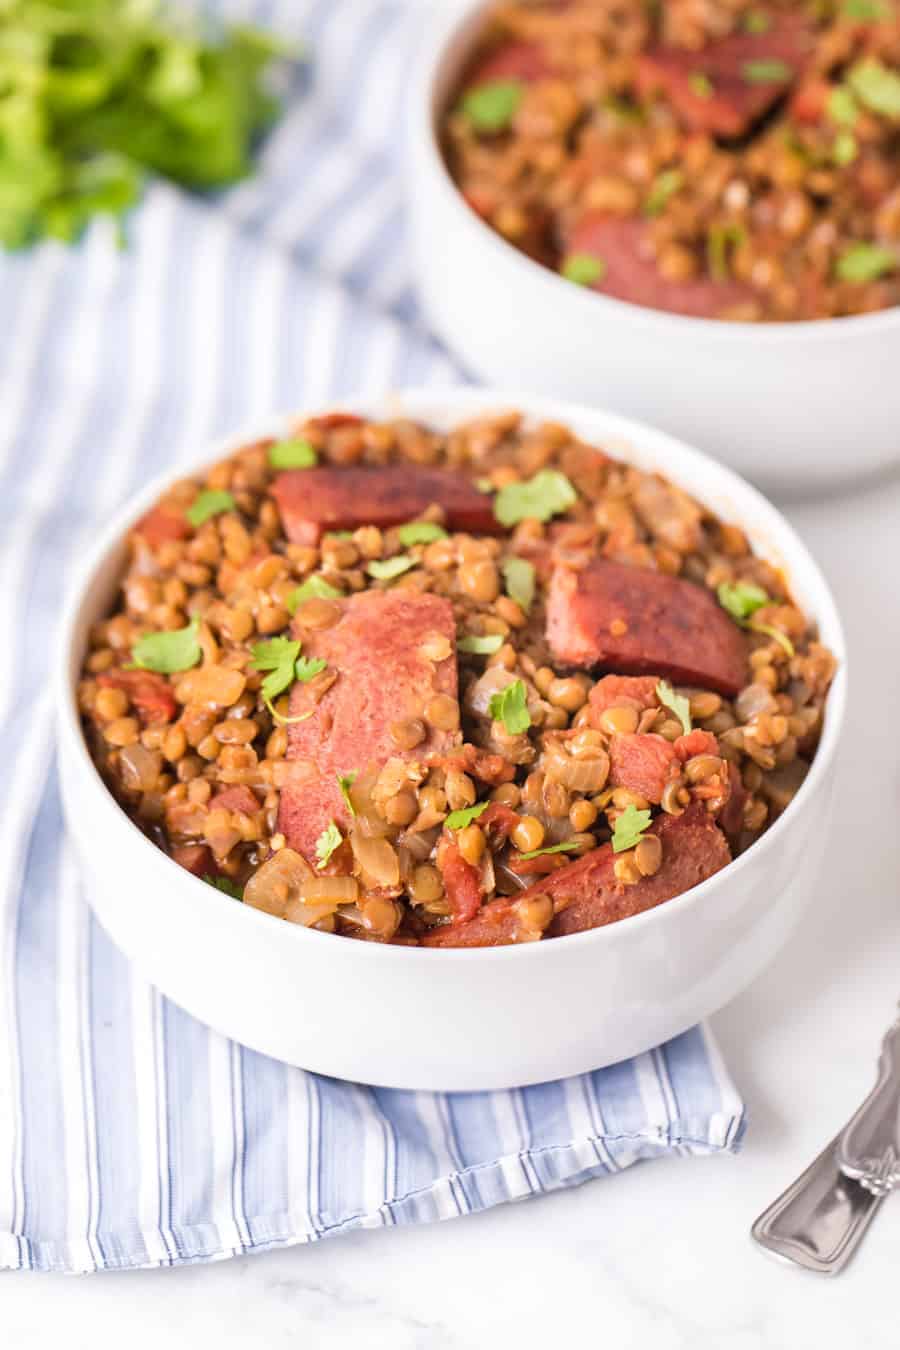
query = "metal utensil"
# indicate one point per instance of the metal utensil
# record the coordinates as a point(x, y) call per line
point(820, 1220)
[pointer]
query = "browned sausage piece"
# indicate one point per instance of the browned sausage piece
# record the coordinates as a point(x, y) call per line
point(635, 621)
point(312, 501)
point(586, 894)
point(377, 649)
point(630, 272)
point(726, 86)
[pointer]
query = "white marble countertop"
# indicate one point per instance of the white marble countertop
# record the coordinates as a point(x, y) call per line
point(661, 1255)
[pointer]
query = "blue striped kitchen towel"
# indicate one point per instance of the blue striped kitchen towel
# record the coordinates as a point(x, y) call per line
point(130, 1135)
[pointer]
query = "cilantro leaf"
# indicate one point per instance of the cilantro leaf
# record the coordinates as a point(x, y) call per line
point(665, 185)
point(583, 268)
point(565, 847)
point(492, 106)
point(169, 652)
point(226, 885)
point(629, 828)
point(345, 783)
point(776, 633)
point(845, 148)
point(678, 704)
point(208, 504)
point(766, 72)
point(458, 820)
point(385, 569)
point(330, 839)
point(842, 107)
point(285, 721)
point(420, 532)
point(876, 87)
point(518, 577)
point(718, 241)
point(277, 656)
point(294, 453)
point(700, 84)
point(756, 21)
point(313, 588)
point(509, 706)
point(480, 644)
point(548, 493)
point(866, 262)
point(741, 599)
point(865, 11)
point(306, 668)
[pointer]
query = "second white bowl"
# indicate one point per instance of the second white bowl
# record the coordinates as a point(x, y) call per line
point(795, 406)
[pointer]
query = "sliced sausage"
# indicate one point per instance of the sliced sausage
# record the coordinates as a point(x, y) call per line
point(643, 764)
point(586, 894)
point(239, 798)
point(634, 621)
point(151, 694)
point(741, 76)
point(196, 859)
point(525, 61)
point(312, 501)
point(383, 677)
point(630, 273)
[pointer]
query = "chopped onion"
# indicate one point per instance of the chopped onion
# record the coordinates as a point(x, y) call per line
point(330, 891)
point(308, 915)
point(581, 775)
point(377, 859)
point(140, 767)
point(278, 882)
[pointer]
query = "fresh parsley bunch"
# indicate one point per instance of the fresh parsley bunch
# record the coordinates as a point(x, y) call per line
point(93, 93)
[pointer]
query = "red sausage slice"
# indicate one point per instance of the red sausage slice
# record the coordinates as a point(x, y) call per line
point(635, 621)
point(383, 676)
point(524, 61)
point(312, 501)
point(239, 798)
point(586, 894)
point(729, 84)
point(643, 764)
point(631, 273)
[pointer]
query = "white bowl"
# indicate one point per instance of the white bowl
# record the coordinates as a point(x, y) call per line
point(453, 1019)
point(796, 406)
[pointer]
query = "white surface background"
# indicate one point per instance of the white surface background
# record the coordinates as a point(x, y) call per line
point(660, 1256)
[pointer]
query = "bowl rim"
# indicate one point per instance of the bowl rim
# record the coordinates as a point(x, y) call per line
point(458, 403)
point(438, 37)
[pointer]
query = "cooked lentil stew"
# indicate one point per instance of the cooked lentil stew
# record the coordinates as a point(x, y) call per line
point(731, 159)
point(449, 689)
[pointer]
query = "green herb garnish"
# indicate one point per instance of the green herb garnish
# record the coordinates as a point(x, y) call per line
point(629, 828)
point(483, 485)
point(295, 453)
point(330, 839)
point(345, 783)
point(170, 652)
point(420, 532)
point(565, 847)
point(226, 885)
point(756, 21)
point(458, 820)
point(700, 84)
point(583, 268)
point(665, 185)
point(278, 656)
point(548, 493)
point(306, 668)
point(766, 72)
point(385, 569)
point(480, 644)
point(864, 11)
point(285, 721)
point(876, 87)
point(865, 262)
point(741, 599)
point(677, 703)
point(518, 577)
point(845, 148)
point(491, 107)
point(718, 241)
point(97, 92)
point(208, 504)
point(313, 588)
point(842, 107)
point(757, 626)
point(510, 707)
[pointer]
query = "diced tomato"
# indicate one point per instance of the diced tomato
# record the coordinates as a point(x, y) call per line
point(150, 693)
point(161, 524)
point(696, 742)
point(460, 878)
